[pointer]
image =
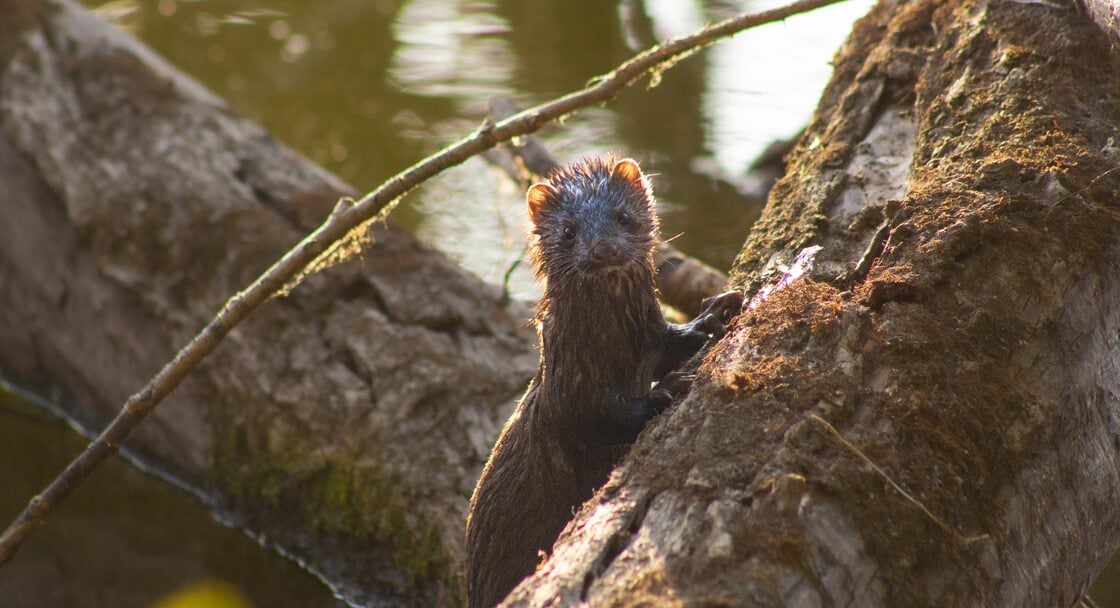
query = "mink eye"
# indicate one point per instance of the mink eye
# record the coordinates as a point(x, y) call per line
point(569, 233)
point(624, 218)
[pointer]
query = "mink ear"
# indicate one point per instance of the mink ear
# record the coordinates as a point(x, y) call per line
point(539, 197)
point(628, 170)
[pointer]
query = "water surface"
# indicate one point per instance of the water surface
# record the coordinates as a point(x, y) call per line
point(368, 88)
point(124, 537)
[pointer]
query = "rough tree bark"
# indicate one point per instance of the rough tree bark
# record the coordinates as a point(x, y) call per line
point(1106, 14)
point(930, 415)
point(347, 421)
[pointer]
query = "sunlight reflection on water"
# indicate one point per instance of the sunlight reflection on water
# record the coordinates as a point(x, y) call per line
point(765, 84)
point(367, 89)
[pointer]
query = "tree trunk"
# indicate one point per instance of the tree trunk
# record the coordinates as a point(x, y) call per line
point(348, 420)
point(926, 410)
point(1105, 13)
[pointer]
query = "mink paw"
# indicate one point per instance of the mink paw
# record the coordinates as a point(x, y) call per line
point(716, 312)
point(673, 386)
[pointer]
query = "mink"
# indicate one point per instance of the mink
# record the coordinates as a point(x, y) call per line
point(603, 342)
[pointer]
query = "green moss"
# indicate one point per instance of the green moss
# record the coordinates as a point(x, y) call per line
point(331, 495)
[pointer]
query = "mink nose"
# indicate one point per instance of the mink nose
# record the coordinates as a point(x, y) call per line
point(605, 253)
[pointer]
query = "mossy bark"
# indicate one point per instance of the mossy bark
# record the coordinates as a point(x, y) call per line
point(921, 406)
point(348, 420)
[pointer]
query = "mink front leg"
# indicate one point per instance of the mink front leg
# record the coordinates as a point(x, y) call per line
point(625, 417)
point(685, 340)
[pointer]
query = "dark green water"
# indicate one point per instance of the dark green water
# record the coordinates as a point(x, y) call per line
point(366, 88)
point(124, 538)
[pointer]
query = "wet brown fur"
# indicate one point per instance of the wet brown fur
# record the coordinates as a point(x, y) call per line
point(603, 342)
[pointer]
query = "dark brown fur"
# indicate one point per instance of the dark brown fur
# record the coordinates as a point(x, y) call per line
point(603, 342)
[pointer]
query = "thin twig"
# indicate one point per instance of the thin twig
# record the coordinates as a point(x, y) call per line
point(537, 158)
point(964, 540)
point(347, 217)
point(509, 273)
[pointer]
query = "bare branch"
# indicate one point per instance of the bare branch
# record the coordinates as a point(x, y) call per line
point(345, 218)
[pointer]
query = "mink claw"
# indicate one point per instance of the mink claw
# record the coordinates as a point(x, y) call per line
point(723, 306)
point(716, 313)
point(674, 384)
point(669, 389)
point(710, 325)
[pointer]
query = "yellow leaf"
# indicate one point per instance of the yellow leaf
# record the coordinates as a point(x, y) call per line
point(206, 594)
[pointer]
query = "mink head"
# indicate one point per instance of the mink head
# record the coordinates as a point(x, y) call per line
point(594, 218)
